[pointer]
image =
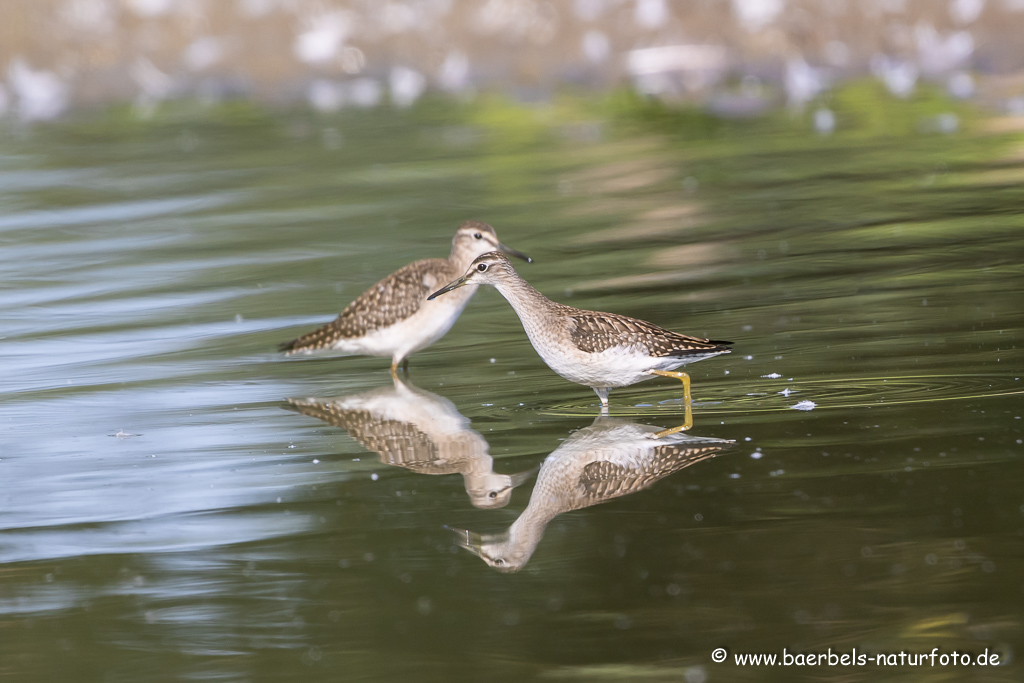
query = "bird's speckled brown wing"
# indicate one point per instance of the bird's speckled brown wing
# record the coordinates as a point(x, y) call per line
point(603, 480)
point(594, 332)
point(395, 298)
point(398, 443)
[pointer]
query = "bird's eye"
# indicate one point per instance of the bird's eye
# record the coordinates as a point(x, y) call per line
point(482, 267)
point(498, 562)
point(492, 494)
point(478, 236)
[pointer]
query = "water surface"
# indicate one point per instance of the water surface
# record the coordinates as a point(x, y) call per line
point(169, 512)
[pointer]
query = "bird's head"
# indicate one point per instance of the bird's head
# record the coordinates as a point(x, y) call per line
point(487, 269)
point(497, 550)
point(474, 238)
point(493, 490)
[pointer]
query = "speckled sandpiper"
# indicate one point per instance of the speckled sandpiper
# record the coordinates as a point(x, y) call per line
point(599, 350)
point(611, 458)
point(420, 431)
point(395, 317)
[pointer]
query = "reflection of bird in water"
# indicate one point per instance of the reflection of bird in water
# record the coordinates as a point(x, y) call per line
point(393, 317)
point(420, 431)
point(599, 350)
point(611, 458)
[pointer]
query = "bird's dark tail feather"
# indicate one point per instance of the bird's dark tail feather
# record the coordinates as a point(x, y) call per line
point(321, 338)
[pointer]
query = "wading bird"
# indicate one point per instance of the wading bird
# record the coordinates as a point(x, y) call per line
point(599, 350)
point(395, 317)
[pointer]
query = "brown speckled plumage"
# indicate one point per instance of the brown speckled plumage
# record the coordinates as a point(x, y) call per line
point(421, 432)
point(604, 480)
point(609, 459)
point(398, 443)
point(599, 350)
point(593, 332)
point(395, 298)
point(394, 317)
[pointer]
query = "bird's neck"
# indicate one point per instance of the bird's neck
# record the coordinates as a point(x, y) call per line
point(526, 532)
point(535, 309)
point(462, 258)
point(549, 498)
point(529, 304)
point(547, 501)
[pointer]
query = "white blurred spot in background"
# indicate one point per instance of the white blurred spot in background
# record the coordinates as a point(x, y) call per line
point(203, 53)
point(154, 85)
point(675, 69)
point(454, 74)
point(803, 82)
point(41, 95)
point(966, 11)
point(352, 60)
point(650, 13)
point(255, 9)
point(961, 85)
point(324, 37)
point(326, 96)
point(406, 85)
point(754, 15)
point(150, 8)
point(824, 121)
point(595, 47)
point(899, 76)
point(943, 123)
point(938, 54)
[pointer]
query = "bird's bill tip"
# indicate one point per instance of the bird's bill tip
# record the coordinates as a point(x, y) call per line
point(514, 252)
point(467, 539)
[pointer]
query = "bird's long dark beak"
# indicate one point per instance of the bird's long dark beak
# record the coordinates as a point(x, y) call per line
point(467, 539)
point(449, 287)
point(512, 252)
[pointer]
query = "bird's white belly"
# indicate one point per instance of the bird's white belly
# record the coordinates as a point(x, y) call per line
point(431, 322)
point(615, 367)
point(618, 366)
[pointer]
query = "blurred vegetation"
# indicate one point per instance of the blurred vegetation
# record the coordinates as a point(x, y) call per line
point(861, 107)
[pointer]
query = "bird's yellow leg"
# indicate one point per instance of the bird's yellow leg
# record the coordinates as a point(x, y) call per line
point(681, 428)
point(685, 379)
point(681, 376)
point(394, 370)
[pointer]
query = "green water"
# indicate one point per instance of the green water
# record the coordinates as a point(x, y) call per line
point(167, 514)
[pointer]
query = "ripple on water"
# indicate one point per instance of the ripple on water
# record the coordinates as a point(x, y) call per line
point(780, 394)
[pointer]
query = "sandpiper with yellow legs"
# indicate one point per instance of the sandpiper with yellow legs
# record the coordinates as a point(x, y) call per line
point(599, 350)
point(395, 317)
